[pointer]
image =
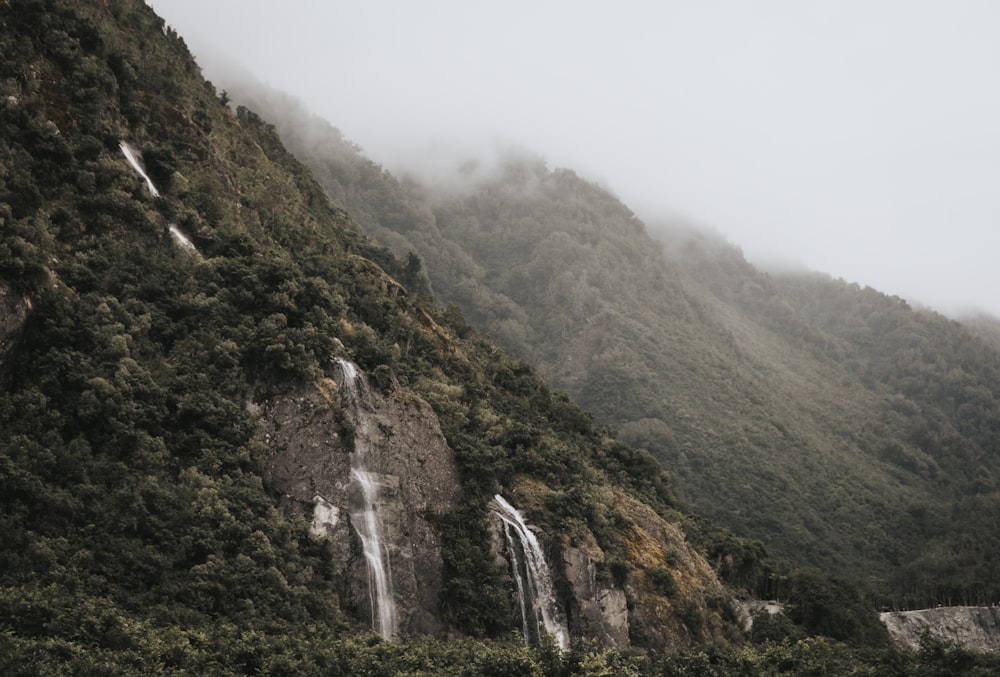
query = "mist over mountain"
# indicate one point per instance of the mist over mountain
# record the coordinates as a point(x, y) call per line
point(858, 140)
point(837, 424)
point(240, 436)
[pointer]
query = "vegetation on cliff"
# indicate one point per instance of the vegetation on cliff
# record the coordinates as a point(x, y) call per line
point(139, 525)
point(845, 429)
point(141, 533)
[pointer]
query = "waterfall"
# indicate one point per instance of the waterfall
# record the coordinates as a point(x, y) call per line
point(368, 523)
point(352, 376)
point(365, 506)
point(532, 578)
point(133, 159)
point(131, 154)
point(182, 239)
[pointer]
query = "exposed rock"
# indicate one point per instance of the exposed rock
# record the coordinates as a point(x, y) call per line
point(304, 430)
point(594, 610)
point(676, 598)
point(325, 517)
point(747, 609)
point(973, 627)
point(14, 311)
point(671, 598)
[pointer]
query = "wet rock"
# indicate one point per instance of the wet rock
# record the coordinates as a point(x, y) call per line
point(596, 611)
point(312, 430)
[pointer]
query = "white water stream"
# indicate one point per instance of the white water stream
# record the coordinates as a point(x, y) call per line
point(368, 523)
point(132, 155)
point(182, 239)
point(532, 577)
point(366, 517)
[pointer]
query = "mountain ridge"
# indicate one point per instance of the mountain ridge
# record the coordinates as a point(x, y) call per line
point(763, 375)
point(144, 375)
point(193, 481)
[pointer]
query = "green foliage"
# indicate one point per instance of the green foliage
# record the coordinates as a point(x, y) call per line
point(472, 598)
point(664, 580)
point(773, 628)
point(847, 430)
point(128, 448)
point(832, 608)
point(140, 532)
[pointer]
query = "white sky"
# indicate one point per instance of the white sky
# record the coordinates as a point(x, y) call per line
point(857, 137)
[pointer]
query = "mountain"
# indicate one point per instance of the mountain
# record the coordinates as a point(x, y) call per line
point(239, 437)
point(842, 427)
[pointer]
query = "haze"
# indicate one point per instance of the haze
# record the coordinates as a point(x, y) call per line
point(855, 138)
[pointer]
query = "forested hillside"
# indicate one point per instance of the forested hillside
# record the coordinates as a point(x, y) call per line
point(840, 426)
point(177, 299)
point(934, 383)
point(224, 410)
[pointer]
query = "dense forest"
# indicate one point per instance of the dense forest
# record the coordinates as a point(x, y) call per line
point(168, 271)
point(842, 427)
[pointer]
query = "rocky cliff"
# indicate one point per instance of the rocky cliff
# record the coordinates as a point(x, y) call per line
point(973, 627)
point(666, 594)
point(656, 591)
point(311, 432)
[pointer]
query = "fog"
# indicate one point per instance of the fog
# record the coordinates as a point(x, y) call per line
point(857, 138)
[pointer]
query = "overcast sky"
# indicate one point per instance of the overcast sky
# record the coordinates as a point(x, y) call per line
point(857, 138)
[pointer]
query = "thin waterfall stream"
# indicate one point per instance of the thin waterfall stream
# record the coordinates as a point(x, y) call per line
point(365, 491)
point(133, 156)
point(532, 577)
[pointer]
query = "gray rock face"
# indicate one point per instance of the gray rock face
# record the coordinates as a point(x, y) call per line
point(310, 460)
point(595, 611)
point(14, 311)
point(747, 609)
point(973, 627)
point(592, 610)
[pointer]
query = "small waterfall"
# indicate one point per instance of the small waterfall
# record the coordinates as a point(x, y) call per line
point(132, 156)
point(182, 239)
point(368, 523)
point(352, 376)
point(532, 577)
point(365, 500)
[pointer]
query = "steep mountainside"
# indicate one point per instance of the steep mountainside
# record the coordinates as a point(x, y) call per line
point(984, 327)
point(837, 424)
point(235, 434)
point(938, 409)
point(238, 437)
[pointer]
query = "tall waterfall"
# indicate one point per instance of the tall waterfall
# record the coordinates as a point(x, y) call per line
point(365, 505)
point(532, 577)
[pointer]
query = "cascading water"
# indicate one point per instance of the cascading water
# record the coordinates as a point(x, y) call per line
point(532, 577)
point(368, 523)
point(365, 503)
point(133, 159)
point(182, 239)
point(131, 154)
